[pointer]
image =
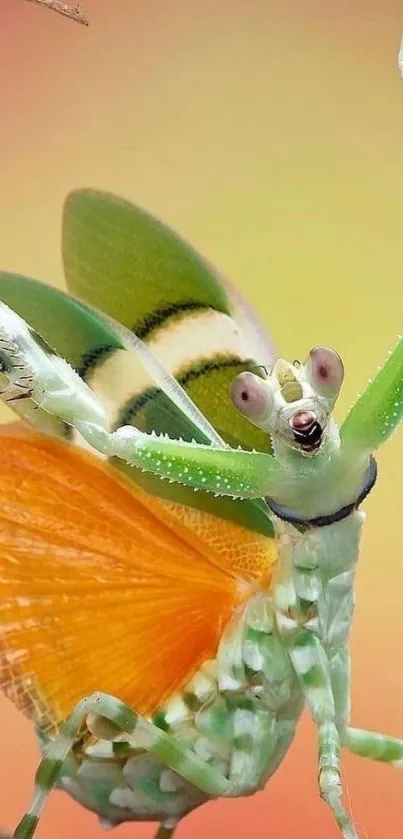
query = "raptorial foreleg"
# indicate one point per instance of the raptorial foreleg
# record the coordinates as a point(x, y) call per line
point(51, 384)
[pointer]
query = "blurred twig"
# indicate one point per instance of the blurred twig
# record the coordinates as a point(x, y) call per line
point(72, 12)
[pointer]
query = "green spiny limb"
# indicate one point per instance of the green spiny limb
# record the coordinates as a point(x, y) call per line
point(51, 396)
point(377, 413)
point(231, 472)
point(173, 754)
point(34, 372)
point(374, 745)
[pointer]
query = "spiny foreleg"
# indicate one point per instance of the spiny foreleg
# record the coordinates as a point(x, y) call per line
point(34, 372)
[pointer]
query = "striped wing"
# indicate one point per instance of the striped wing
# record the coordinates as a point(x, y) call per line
point(80, 335)
point(102, 587)
point(126, 263)
point(105, 586)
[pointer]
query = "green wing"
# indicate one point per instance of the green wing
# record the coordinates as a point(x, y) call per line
point(126, 263)
point(79, 334)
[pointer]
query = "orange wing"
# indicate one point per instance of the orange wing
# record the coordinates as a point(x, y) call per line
point(103, 587)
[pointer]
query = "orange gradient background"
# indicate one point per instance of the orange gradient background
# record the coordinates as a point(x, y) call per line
point(271, 135)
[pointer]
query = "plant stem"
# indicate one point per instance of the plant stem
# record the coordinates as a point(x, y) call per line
point(163, 833)
point(72, 12)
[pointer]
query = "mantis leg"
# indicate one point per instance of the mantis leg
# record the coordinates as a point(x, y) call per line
point(379, 410)
point(223, 471)
point(175, 755)
point(34, 373)
point(359, 741)
point(340, 678)
point(323, 673)
point(312, 668)
point(374, 745)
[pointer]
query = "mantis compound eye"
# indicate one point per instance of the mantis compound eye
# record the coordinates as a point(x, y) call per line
point(251, 397)
point(325, 371)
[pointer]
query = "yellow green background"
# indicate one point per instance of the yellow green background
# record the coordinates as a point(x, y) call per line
point(270, 134)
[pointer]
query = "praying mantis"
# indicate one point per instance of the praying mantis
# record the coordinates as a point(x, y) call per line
point(180, 529)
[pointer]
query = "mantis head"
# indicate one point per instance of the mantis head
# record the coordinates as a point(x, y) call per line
point(292, 402)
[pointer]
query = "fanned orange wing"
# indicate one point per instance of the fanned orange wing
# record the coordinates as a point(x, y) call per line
point(103, 587)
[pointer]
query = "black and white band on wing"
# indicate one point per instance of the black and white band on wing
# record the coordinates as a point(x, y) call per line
point(202, 348)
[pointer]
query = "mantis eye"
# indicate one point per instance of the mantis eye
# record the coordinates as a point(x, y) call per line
point(325, 371)
point(251, 396)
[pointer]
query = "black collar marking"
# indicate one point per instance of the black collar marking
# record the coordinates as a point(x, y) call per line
point(286, 514)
